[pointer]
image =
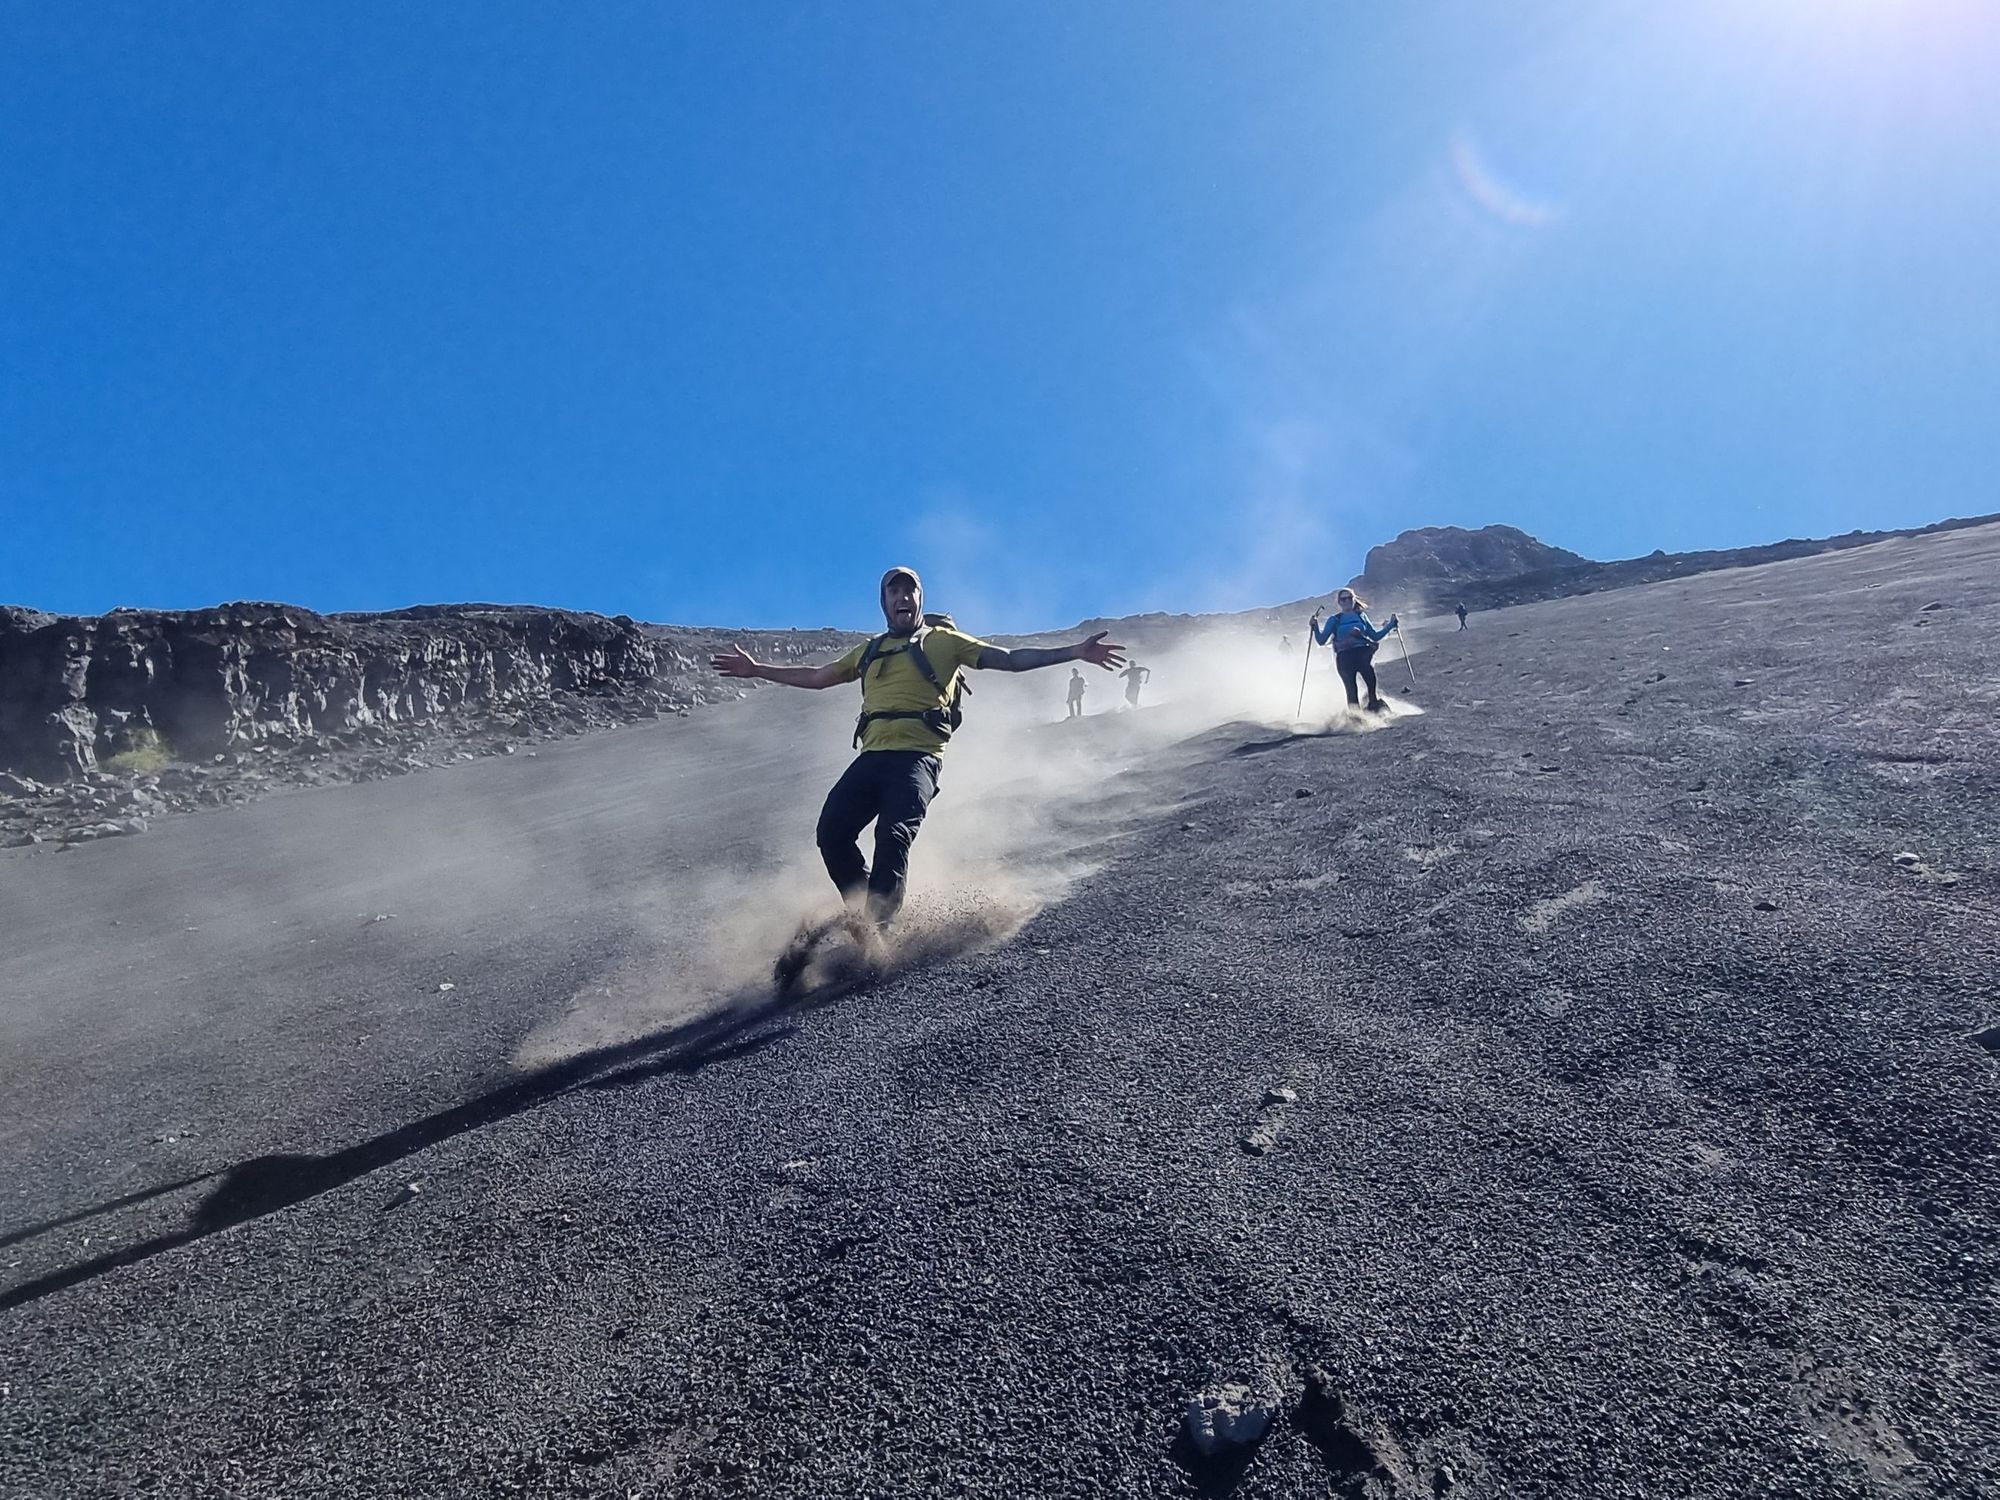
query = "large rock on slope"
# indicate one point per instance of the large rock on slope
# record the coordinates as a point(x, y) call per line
point(1434, 559)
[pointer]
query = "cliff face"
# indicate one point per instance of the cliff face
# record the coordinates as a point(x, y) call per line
point(210, 707)
point(74, 690)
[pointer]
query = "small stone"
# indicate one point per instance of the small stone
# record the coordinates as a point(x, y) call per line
point(1304, 791)
point(1934, 604)
point(446, 988)
point(1907, 860)
point(1189, 827)
point(1229, 1416)
point(1261, 1140)
point(1281, 1094)
point(1763, 906)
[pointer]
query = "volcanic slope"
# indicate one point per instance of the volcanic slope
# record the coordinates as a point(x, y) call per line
point(1576, 1089)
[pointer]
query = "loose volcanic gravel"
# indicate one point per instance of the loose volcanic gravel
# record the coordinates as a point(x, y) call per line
point(1576, 1094)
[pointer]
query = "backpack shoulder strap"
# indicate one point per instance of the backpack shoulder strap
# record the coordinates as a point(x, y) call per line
point(944, 719)
point(923, 659)
point(874, 649)
point(880, 650)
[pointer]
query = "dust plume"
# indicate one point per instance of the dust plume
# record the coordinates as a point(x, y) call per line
point(1029, 800)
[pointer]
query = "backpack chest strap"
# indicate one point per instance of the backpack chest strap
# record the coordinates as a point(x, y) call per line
point(880, 650)
point(942, 719)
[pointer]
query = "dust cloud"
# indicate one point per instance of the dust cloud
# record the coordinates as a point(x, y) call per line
point(1029, 802)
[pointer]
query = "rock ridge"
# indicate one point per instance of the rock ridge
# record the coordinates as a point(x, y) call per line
point(1496, 566)
point(186, 707)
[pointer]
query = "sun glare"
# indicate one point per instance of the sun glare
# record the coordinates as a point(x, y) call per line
point(1491, 191)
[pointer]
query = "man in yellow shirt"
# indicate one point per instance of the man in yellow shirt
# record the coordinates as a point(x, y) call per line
point(909, 708)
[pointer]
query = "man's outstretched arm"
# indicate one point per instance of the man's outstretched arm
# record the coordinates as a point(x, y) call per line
point(1096, 650)
point(736, 662)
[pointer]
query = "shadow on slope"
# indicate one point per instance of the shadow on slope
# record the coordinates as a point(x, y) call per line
point(263, 1185)
point(1042, 790)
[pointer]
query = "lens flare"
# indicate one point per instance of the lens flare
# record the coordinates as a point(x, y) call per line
point(1492, 192)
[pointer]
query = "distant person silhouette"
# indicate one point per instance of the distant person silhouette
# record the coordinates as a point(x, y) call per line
point(1461, 617)
point(1285, 645)
point(1135, 677)
point(1077, 688)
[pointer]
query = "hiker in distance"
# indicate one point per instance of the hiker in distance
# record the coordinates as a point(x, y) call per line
point(1077, 687)
point(1354, 641)
point(910, 689)
point(1461, 617)
point(1135, 678)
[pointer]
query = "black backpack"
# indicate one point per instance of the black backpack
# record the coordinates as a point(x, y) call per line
point(942, 720)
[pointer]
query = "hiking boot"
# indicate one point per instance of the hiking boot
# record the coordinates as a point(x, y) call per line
point(1377, 706)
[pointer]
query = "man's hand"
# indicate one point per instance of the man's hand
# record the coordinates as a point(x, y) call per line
point(1100, 652)
point(735, 662)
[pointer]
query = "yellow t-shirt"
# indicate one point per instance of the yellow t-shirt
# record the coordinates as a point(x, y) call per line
point(897, 683)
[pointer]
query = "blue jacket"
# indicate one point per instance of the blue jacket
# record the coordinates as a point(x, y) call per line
point(1350, 629)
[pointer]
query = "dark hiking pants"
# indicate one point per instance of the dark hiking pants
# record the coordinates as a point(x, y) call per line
point(894, 788)
point(1356, 661)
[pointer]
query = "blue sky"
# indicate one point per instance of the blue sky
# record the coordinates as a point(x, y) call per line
point(706, 313)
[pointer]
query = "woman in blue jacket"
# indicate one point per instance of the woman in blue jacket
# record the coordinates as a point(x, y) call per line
point(1354, 641)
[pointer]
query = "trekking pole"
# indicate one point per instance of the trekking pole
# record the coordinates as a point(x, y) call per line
point(1304, 667)
point(1406, 653)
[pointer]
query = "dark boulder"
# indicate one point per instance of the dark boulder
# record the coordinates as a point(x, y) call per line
point(1431, 560)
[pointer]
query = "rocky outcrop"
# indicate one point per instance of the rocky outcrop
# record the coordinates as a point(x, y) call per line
point(107, 720)
point(205, 681)
point(1499, 565)
point(1439, 558)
